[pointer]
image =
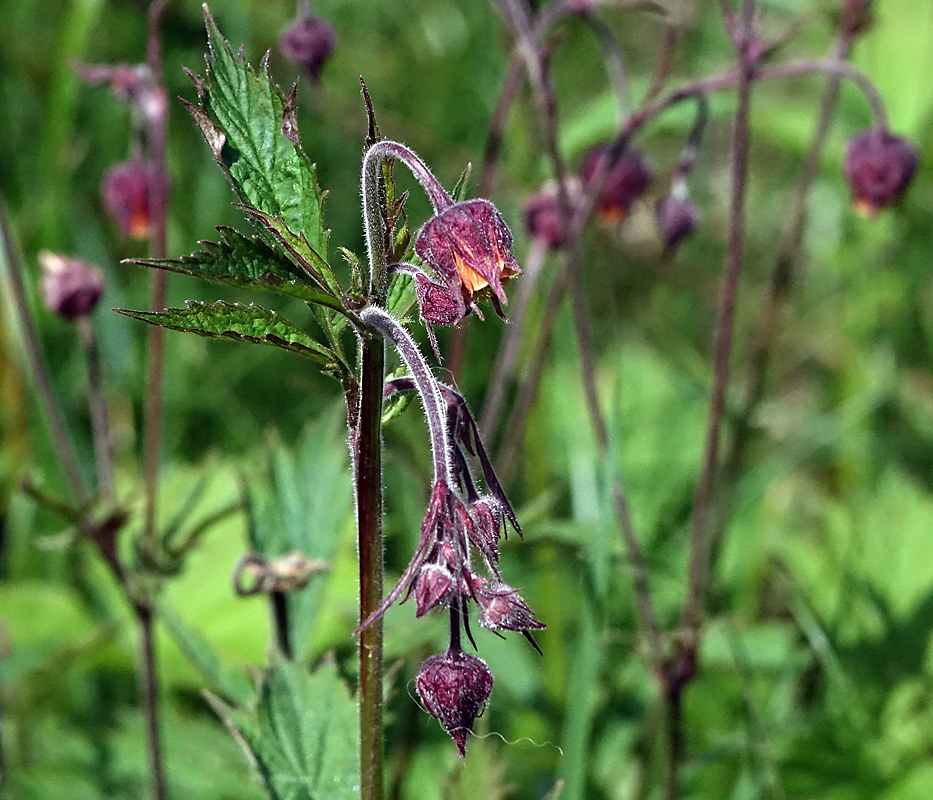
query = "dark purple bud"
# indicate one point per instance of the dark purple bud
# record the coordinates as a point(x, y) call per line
point(469, 246)
point(308, 42)
point(432, 587)
point(70, 288)
point(677, 218)
point(454, 688)
point(879, 167)
point(504, 609)
point(125, 191)
point(542, 219)
point(626, 181)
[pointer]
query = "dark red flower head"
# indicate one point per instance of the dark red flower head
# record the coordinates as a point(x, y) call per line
point(309, 41)
point(469, 247)
point(70, 288)
point(454, 688)
point(677, 218)
point(879, 167)
point(125, 191)
point(626, 181)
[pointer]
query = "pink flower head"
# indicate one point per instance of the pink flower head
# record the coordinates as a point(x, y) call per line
point(125, 190)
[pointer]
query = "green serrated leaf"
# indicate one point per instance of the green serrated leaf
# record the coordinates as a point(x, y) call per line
point(250, 323)
point(302, 736)
point(245, 262)
point(296, 247)
point(301, 504)
point(267, 169)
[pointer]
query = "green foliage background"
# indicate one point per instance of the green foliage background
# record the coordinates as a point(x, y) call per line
point(816, 675)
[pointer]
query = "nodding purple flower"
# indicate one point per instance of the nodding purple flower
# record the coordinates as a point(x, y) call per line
point(677, 218)
point(626, 181)
point(454, 688)
point(70, 287)
point(469, 247)
point(125, 190)
point(542, 219)
point(879, 167)
point(309, 42)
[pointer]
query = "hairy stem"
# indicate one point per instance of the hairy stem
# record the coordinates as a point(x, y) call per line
point(103, 444)
point(368, 484)
point(435, 408)
point(35, 358)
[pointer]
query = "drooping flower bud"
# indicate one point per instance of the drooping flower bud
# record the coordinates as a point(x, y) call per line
point(542, 219)
point(504, 609)
point(626, 181)
point(454, 688)
point(432, 587)
point(308, 42)
point(70, 288)
point(125, 190)
point(677, 218)
point(879, 167)
point(469, 246)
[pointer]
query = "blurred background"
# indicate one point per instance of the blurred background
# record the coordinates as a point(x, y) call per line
point(816, 676)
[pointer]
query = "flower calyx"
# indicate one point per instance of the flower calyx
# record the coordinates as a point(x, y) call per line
point(308, 42)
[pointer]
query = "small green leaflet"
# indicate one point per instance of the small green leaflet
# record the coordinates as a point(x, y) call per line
point(250, 323)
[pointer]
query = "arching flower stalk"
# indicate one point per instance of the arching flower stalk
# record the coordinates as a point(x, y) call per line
point(467, 248)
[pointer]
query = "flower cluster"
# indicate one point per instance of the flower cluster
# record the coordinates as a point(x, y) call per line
point(467, 247)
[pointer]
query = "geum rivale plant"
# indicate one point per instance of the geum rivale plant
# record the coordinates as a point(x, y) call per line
point(463, 255)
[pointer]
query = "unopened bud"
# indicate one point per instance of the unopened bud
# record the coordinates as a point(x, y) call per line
point(454, 688)
point(308, 42)
point(879, 167)
point(126, 188)
point(677, 218)
point(626, 181)
point(504, 609)
point(431, 587)
point(70, 288)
